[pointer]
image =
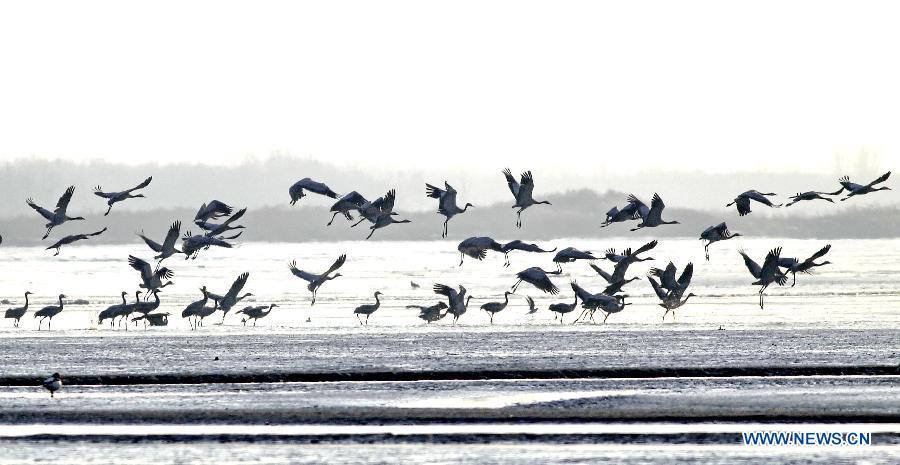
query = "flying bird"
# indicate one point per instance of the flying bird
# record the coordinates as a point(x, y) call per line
point(522, 192)
point(608, 304)
point(230, 299)
point(650, 217)
point(812, 195)
point(215, 230)
point(58, 216)
point(854, 189)
point(570, 254)
point(538, 278)
point(615, 215)
point(519, 245)
point(167, 248)
point(212, 210)
point(349, 202)
point(191, 245)
point(317, 280)
point(742, 201)
point(477, 247)
point(714, 234)
point(446, 202)
point(794, 265)
point(670, 290)
point(766, 274)
point(151, 279)
point(73, 238)
point(297, 189)
point(115, 197)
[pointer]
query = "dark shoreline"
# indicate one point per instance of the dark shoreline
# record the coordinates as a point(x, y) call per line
point(396, 376)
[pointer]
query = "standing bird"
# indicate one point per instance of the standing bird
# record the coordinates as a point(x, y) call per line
point(522, 191)
point(367, 309)
point(297, 189)
point(493, 307)
point(112, 312)
point(458, 301)
point(650, 217)
point(230, 299)
point(194, 307)
point(151, 279)
point(18, 312)
point(742, 201)
point(317, 280)
point(349, 202)
point(146, 307)
point(57, 216)
point(812, 195)
point(204, 312)
point(115, 197)
point(212, 210)
point(563, 308)
point(432, 313)
point(446, 202)
point(519, 245)
point(73, 238)
point(48, 312)
point(53, 383)
point(537, 277)
point(167, 248)
point(766, 274)
point(857, 189)
point(614, 215)
point(794, 266)
point(256, 313)
point(477, 247)
point(715, 233)
point(570, 254)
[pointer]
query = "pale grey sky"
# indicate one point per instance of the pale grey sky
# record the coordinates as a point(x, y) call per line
point(542, 85)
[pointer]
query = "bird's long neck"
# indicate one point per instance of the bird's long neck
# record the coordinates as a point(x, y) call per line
point(61, 303)
point(505, 299)
point(137, 297)
point(26, 301)
point(686, 299)
point(123, 299)
point(546, 202)
point(377, 301)
point(465, 207)
point(468, 298)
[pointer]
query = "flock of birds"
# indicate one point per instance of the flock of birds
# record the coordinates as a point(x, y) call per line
point(216, 222)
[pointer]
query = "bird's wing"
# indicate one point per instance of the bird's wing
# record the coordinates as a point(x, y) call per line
point(820, 253)
point(154, 246)
point(770, 266)
point(685, 279)
point(237, 285)
point(98, 192)
point(433, 191)
point(511, 181)
point(530, 301)
point(171, 236)
point(755, 195)
point(318, 188)
point(337, 264)
point(142, 185)
point(660, 292)
point(165, 273)
point(141, 265)
point(580, 292)
point(602, 273)
point(754, 267)
point(386, 204)
point(355, 198)
point(219, 208)
point(445, 290)
point(722, 229)
point(645, 247)
point(306, 276)
point(656, 208)
point(448, 201)
point(47, 214)
point(668, 277)
point(743, 205)
point(640, 208)
point(63, 202)
point(526, 187)
point(884, 177)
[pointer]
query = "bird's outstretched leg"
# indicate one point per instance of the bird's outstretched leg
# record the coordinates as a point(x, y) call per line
point(706, 248)
point(506, 260)
point(313, 299)
point(254, 321)
point(795, 278)
point(57, 252)
point(47, 233)
point(367, 320)
point(332, 218)
point(370, 233)
point(460, 258)
point(516, 285)
point(358, 222)
point(358, 319)
point(108, 210)
point(605, 317)
point(445, 228)
point(519, 219)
